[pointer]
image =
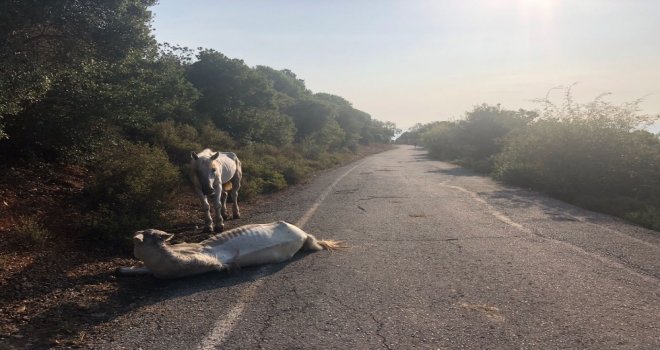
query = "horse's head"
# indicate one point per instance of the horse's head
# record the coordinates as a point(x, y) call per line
point(205, 171)
point(146, 242)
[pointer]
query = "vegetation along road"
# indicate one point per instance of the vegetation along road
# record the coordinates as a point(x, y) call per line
point(439, 258)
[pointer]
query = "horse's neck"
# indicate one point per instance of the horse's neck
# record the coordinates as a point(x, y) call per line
point(218, 173)
point(169, 253)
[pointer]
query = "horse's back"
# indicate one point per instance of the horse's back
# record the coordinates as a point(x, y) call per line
point(207, 152)
point(230, 155)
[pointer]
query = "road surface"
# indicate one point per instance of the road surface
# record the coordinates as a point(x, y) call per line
point(440, 258)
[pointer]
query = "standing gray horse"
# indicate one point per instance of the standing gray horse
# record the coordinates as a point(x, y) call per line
point(213, 175)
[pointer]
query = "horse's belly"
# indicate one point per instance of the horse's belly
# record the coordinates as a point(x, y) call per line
point(177, 270)
point(252, 250)
point(268, 255)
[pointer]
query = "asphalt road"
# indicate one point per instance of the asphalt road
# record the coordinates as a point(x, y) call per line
point(440, 258)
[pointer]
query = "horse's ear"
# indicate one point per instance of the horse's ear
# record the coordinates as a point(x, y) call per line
point(194, 156)
point(139, 237)
point(164, 236)
point(215, 156)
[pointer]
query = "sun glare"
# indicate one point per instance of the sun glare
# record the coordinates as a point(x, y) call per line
point(538, 9)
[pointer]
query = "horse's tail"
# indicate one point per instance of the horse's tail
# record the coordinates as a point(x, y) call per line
point(311, 243)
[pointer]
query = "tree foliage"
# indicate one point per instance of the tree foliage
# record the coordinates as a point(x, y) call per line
point(591, 154)
point(476, 139)
point(82, 80)
point(46, 43)
point(594, 154)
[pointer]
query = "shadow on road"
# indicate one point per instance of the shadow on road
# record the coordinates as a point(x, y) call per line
point(66, 322)
point(457, 171)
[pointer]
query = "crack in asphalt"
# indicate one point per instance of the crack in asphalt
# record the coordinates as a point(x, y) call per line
point(356, 311)
point(379, 328)
point(382, 197)
point(262, 331)
point(270, 315)
point(347, 191)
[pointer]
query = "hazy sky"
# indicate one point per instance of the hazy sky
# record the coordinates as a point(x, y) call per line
point(421, 61)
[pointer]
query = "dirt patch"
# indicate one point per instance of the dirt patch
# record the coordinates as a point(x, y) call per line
point(53, 292)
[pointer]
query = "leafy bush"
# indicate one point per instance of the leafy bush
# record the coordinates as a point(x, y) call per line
point(591, 155)
point(648, 216)
point(474, 141)
point(131, 185)
point(214, 138)
point(295, 172)
point(177, 139)
point(180, 139)
point(440, 141)
point(262, 171)
point(30, 231)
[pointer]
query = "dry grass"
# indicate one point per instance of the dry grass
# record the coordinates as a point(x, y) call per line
point(30, 231)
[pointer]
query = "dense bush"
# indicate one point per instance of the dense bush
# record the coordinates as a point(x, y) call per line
point(85, 82)
point(591, 155)
point(594, 155)
point(474, 141)
point(132, 184)
point(179, 139)
point(30, 231)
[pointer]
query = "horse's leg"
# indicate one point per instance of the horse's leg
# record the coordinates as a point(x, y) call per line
point(223, 201)
point(208, 220)
point(133, 271)
point(235, 186)
point(217, 205)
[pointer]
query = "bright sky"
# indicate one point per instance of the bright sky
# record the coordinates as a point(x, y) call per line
point(421, 60)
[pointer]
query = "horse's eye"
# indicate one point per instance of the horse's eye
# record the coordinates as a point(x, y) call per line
point(213, 170)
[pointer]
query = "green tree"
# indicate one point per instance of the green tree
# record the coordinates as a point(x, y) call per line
point(310, 116)
point(475, 140)
point(252, 125)
point(351, 120)
point(81, 107)
point(227, 85)
point(45, 43)
point(284, 81)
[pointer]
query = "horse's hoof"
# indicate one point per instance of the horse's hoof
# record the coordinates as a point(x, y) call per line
point(207, 229)
point(237, 216)
point(219, 228)
point(225, 216)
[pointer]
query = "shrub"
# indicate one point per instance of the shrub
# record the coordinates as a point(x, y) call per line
point(474, 141)
point(214, 138)
point(177, 139)
point(591, 155)
point(30, 231)
point(296, 172)
point(130, 188)
point(648, 216)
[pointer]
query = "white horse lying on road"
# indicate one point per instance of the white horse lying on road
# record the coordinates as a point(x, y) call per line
point(243, 246)
point(214, 174)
